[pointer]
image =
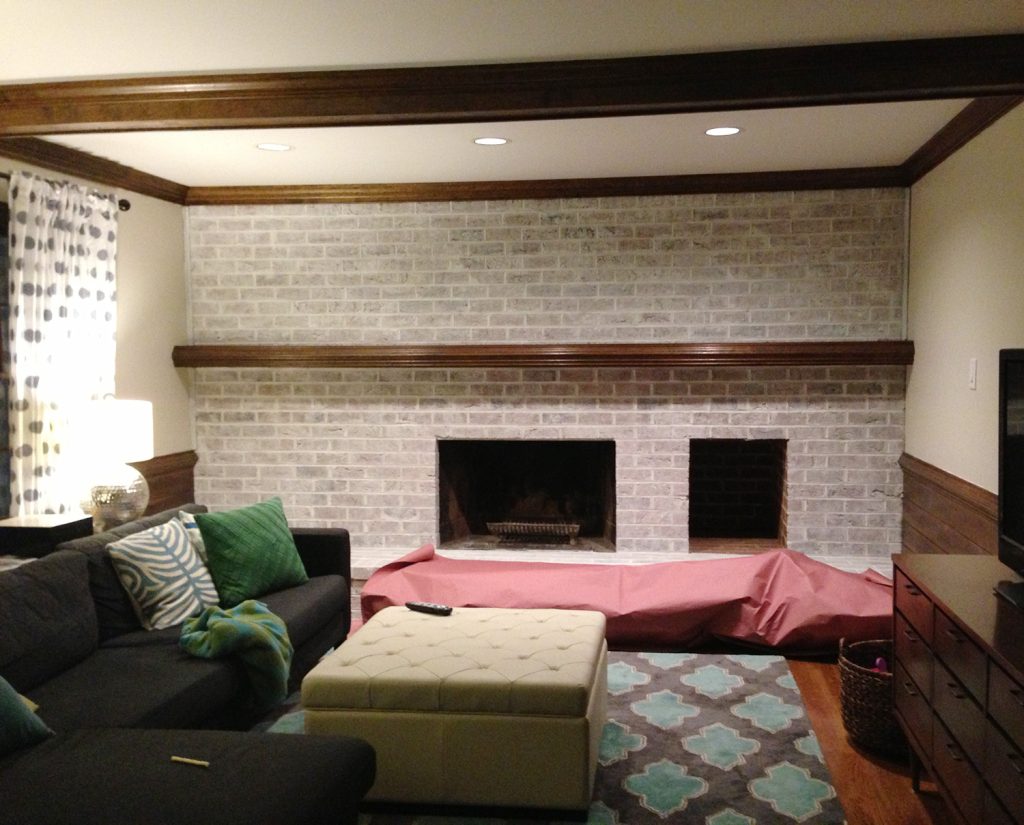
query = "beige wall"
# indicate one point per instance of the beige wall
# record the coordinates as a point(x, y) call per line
point(152, 317)
point(151, 310)
point(966, 298)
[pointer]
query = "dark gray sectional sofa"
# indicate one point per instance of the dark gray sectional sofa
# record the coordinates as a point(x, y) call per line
point(122, 701)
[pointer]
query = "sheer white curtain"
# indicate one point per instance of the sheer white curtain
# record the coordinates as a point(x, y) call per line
point(61, 330)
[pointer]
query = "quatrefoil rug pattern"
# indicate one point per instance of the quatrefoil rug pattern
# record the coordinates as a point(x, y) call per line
point(723, 740)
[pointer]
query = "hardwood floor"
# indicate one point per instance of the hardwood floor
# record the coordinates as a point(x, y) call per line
point(873, 790)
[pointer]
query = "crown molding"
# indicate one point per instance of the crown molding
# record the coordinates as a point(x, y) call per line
point(971, 121)
point(974, 119)
point(59, 158)
point(869, 177)
point(945, 67)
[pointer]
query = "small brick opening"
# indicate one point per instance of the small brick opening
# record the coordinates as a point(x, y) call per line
point(482, 483)
point(737, 489)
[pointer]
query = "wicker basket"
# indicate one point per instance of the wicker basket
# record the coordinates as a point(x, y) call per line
point(865, 697)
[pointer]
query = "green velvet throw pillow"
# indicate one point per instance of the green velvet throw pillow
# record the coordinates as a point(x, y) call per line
point(19, 726)
point(250, 551)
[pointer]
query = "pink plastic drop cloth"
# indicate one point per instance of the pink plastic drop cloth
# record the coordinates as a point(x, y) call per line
point(779, 599)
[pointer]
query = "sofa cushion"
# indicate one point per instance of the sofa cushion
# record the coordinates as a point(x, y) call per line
point(165, 579)
point(19, 725)
point(308, 608)
point(168, 637)
point(142, 686)
point(114, 610)
point(96, 777)
point(47, 619)
point(250, 551)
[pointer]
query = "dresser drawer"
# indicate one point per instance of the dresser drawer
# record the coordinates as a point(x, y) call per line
point(914, 605)
point(1006, 703)
point(959, 712)
point(914, 710)
point(961, 779)
point(962, 656)
point(1004, 770)
point(913, 652)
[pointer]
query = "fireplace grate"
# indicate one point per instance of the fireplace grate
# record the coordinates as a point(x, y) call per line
point(536, 530)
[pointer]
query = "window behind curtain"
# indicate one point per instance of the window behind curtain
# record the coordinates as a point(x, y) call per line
point(5, 461)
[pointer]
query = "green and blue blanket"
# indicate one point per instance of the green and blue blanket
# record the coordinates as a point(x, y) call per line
point(250, 631)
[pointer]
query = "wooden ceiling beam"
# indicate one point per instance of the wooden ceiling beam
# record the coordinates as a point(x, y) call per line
point(761, 78)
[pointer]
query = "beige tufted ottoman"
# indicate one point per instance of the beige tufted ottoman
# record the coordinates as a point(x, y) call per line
point(486, 706)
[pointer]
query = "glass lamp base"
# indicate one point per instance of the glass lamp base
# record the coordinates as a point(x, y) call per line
point(120, 501)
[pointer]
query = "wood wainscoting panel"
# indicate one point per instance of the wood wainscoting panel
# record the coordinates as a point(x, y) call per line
point(171, 479)
point(945, 514)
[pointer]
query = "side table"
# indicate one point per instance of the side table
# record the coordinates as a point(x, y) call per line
point(38, 535)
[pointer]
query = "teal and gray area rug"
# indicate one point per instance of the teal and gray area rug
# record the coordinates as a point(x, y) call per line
point(694, 738)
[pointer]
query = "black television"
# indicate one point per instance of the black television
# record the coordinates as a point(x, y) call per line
point(1011, 470)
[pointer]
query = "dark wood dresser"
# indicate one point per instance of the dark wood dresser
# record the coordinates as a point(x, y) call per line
point(959, 682)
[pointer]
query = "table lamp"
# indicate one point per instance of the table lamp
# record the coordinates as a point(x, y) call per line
point(113, 432)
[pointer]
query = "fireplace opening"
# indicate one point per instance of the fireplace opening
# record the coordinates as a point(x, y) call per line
point(526, 494)
point(737, 494)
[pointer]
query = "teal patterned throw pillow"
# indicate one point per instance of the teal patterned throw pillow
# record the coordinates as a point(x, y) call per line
point(166, 580)
point(250, 551)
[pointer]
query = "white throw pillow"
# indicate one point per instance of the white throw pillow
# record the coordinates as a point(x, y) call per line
point(165, 579)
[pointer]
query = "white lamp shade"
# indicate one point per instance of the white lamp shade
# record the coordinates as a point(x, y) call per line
point(114, 430)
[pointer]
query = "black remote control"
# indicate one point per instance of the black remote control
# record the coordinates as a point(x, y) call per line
point(430, 607)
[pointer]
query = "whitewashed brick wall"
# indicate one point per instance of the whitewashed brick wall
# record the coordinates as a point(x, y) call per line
point(357, 448)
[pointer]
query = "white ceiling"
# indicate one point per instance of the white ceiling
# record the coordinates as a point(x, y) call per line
point(812, 138)
point(108, 38)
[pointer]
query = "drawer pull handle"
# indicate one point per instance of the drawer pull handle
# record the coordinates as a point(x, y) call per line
point(1015, 762)
point(912, 590)
point(1018, 696)
point(908, 686)
point(954, 752)
point(911, 635)
point(954, 691)
point(955, 636)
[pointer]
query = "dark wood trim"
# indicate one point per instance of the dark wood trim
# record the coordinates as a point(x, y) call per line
point(226, 98)
point(746, 354)
point(743, 79)
point(171, 479)
point(943, 513)
point(970, 122)
point(90, 167)
point(975, 118)
point(856, 178)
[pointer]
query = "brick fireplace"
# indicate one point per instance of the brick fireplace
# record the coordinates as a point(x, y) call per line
point(737, 490)
point(526, 493)
point(358, 447)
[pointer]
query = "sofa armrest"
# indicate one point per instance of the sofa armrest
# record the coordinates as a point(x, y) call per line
point(324, 550)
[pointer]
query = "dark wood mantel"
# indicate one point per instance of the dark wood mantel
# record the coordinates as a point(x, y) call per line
point(738, 354)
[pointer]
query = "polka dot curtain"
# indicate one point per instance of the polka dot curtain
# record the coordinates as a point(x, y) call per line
point(61, 332)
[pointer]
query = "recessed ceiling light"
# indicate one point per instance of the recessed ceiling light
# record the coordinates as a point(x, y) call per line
point(723, 131)
point(273, 147)
point(490, 141)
